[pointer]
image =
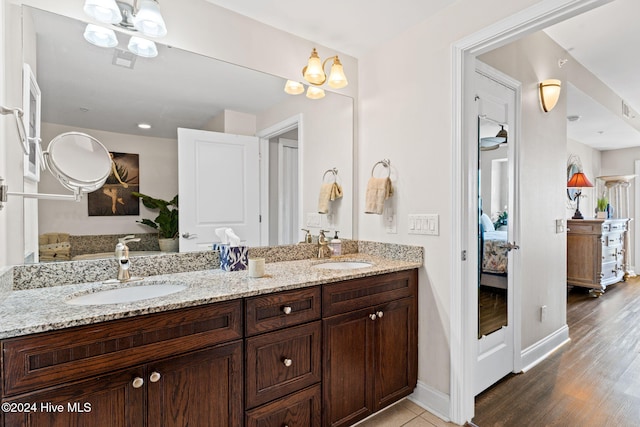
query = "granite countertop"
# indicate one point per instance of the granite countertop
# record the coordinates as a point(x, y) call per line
point(30, 311)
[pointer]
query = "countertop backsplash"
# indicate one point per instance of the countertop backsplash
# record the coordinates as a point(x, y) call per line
point(71, 272)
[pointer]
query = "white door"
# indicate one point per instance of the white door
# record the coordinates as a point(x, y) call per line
point(495, 145)
point(288, 231)
point(219, 187)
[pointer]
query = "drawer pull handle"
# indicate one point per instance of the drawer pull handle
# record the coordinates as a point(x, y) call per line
point(154, 377)
point(137, 382)
point(373, 316)
point(380, 313)
point(287, 362)
point(287, 310)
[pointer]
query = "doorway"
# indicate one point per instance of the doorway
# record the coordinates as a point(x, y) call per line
point(281, 151)
point(465, 228)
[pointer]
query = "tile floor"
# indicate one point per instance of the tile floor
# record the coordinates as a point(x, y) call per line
point(406, 414)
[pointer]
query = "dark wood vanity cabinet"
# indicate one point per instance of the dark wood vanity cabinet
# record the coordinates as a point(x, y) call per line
point(323, 355)
point(283, 359)
point(370, 354)
point(168, 369)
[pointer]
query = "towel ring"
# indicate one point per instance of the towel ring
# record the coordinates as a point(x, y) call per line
point(334, 171)
point(384, 162)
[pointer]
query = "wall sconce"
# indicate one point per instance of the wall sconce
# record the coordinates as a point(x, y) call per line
point(578, 180)
point(549, 94)
point(315, 75)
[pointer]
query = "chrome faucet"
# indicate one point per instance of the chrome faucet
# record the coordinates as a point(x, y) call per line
point(324, 250)
point(122, 255)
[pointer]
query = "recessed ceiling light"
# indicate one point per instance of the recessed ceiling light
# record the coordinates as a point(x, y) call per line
point(144, 125)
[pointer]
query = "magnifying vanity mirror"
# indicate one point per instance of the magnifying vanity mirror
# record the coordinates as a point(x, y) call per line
point(78, 161)
point(107, 92)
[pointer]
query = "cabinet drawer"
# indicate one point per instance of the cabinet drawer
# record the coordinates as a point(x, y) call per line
point(369, 291)
point(610, 254)
point(610, 271)
point(275, 311)
point(51, 358)
point(613, 239)
point(301, 409)
point(282, 362)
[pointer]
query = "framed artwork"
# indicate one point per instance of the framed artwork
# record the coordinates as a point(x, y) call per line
point(31, 99)
point(114, 197)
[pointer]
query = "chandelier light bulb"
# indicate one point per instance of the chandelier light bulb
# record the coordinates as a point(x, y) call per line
point(105, 11)
point(143, 47)
point(337, 78)
point(315, 92)
point(293, 88)
point(148, 19)
point(313, 72)
point(100, 36)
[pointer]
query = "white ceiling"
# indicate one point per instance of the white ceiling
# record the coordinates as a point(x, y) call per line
point(598, 39)
point(350, 26)
point(606, 41)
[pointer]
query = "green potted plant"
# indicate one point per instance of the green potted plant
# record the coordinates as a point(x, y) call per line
point(166, 222)
point(602, 204)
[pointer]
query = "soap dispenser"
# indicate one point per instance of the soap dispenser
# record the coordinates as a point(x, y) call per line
point(336, 245)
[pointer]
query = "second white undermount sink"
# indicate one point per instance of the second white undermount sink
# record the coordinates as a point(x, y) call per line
point(127, 294)
point(343, 265)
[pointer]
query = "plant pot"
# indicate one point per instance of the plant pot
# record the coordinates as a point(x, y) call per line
point(601, 215)
point(169, 245)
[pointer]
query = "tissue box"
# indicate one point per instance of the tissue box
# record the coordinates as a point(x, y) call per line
point(233, 258)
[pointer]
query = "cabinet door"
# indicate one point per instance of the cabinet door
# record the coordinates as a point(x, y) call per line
point(396, 351)
point(198, 389)
point(109, 400)
point(348, 364)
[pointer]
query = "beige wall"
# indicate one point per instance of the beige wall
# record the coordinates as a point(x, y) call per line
point(404, 114)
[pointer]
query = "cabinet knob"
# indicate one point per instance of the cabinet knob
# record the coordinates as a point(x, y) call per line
point(137, 382)
point(286, 310)
point(287, 362)
point(155, 377)
point(373, 316)
point(379, 313)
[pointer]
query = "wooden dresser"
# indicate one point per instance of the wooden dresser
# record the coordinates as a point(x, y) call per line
point(596, 252)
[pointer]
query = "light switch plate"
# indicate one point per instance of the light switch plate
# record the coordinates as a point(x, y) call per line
point(424, 224)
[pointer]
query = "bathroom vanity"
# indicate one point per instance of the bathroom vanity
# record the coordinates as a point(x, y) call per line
point(303, 346)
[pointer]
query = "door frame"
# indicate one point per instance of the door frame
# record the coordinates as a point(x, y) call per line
point(462, 324)
point(265, 135)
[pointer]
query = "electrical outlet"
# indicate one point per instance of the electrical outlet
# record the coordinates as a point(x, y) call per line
point(559, 226)
point(543, 313)
point(390, 223)
point(314, 220)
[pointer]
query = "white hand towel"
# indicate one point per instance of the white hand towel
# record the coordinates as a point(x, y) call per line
point(378, 190)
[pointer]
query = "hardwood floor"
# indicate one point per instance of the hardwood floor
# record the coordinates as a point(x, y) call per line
point(594, 380)
point(492, 309)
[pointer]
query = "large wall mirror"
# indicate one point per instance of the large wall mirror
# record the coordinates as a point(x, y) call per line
point(107, 92)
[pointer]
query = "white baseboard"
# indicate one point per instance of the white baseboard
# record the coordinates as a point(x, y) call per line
point(539, 351)
point(432, 400)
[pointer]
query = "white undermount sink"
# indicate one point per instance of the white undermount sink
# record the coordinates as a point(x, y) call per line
point(343, 265)
point(127, 294)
